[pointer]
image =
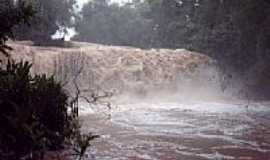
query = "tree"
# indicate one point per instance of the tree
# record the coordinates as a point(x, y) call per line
point(12, 14)
point(233, 32)
point(36, 113)
point(109, 23)
point(51, 16)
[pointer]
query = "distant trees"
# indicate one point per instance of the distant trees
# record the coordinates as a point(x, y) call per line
point(228, 30)
point(11, 15)
point(140, 23)
point(233, 32)
point(52, 15)
point(109, 23)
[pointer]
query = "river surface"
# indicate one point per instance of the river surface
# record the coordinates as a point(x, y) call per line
point(181, 131)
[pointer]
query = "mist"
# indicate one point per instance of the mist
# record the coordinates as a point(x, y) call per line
point(134, 79)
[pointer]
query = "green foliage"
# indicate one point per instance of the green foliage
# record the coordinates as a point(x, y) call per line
point(51, 16)
point(12, 14)
point(110, 23)
point(34, 113)
point(234, 32)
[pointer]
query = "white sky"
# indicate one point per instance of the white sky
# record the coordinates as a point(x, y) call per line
point(81, 2)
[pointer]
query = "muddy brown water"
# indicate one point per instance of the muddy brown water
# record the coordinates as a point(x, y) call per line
point(181, 131)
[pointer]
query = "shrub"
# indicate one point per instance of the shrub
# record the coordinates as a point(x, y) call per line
point(33, 112)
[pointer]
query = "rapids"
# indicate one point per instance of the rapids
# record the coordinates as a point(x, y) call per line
point(180, 131)
point(171, 126)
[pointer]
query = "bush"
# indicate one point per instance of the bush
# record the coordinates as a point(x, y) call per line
point(33, 112)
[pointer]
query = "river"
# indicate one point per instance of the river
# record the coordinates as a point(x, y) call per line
point(181, 131)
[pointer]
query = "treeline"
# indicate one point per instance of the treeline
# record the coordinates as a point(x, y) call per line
point(228, 30)
point(109, 23)
point(236, 33)
point(50, 16)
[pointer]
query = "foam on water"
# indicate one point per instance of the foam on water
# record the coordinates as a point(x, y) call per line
point(198, 130)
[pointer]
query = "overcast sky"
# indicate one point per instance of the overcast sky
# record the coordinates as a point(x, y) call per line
point(81, 2)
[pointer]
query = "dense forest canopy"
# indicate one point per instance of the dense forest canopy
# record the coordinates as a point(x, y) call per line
point(231, 31)
point(109, 23)
point(40, 114)
point(11, 15)
point(51, 16)
point(227, 30)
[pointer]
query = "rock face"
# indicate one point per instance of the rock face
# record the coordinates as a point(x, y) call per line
point(114, 67)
